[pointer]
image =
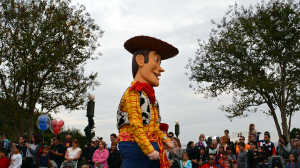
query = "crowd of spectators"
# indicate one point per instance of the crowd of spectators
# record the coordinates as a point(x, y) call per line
point(209, 152)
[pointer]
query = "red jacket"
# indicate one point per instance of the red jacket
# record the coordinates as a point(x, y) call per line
point(4, 162)
point(222, 162)
point(206, 166)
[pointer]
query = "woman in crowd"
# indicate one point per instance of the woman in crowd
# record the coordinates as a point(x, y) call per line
point(223, 142)
point(176, 154)
point(252, 159)
point(22, 139)
point(72, 154)
point(33, 149)
point(101, 155)
point(114, 159)
point(284, 148)
point(219, 154)
point(295, 148)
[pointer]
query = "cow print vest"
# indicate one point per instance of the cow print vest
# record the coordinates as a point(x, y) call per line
point(122, 117)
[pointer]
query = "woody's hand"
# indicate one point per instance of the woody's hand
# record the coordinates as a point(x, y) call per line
point(169, 144)
point(154, 155)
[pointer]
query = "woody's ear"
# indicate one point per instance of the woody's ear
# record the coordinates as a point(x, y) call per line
point(140, 60)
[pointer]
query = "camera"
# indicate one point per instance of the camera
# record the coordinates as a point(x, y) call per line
point(25, 141)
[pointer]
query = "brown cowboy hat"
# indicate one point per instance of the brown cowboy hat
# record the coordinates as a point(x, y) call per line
point(150, 43)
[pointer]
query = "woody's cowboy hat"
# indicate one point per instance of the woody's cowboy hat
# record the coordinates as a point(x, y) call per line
point(152, 44)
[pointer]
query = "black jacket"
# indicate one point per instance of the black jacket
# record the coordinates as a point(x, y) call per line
point(114, 159)
point(89, 152)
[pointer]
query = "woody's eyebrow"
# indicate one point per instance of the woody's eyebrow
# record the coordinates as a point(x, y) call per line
point(157, 53)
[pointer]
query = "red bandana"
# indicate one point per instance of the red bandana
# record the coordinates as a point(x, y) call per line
point(148, 89)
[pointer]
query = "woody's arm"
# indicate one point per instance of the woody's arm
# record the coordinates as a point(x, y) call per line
point(135, 120)
point(162, 136)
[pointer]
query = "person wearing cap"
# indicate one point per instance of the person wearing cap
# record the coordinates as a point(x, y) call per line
point(69, 140)
point(138, 116)
point(57, 151)
point(44, 158)
point(90, 150)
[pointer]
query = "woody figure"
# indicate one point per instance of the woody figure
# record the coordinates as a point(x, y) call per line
point(141, 142)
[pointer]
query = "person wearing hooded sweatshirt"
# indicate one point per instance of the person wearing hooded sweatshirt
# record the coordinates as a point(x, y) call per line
point(100, 156)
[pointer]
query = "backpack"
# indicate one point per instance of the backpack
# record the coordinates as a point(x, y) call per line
point(8, 150)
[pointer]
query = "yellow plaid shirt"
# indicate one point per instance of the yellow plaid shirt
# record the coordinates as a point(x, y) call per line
point(143, 135)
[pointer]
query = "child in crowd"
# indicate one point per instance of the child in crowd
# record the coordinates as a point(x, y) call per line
point(242, 160)
point(16, 159)
point(235, 165)
point(230, 156)
point(44, 158)
point(203, 158)
point(12, 151)
point(228, 164)
point(85, 166)
point(201, 142)
point(185, 162)
point(223, 159)
point(219, 155)
point(226, 132)
point(4, 161)
point(260, 156)
point(293, 161)
point(252, 131)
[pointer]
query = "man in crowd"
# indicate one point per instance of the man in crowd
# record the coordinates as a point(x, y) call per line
point(171, 136)
point(269, 147)
point(89, 151)
point(57, 151)
point(242, 161)
point(113, 138)
point(69, 140)
point(242, 139)
point(5, 142)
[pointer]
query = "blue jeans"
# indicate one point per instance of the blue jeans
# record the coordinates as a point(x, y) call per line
point(133, 156)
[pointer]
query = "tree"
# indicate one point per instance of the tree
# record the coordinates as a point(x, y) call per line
point(44, 46)
point(254, 55)
point(293, 132)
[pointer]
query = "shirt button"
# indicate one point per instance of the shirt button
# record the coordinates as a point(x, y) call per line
point(165, 138)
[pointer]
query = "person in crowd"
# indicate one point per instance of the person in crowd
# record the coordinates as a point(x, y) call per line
point(44, 158)
point(57, 151)
point(295, 149)
point(72, 154)
point(69, 140)
point(22, 141)
point(4, 161)
point(234, 165)
point(297, 135)
point(33, 149)
point(16, 159)
point(90, 150)
point(13, 144)
point(223, 159)
point(203, 158)
point(101, 139)
point(242, 161)
point(113, 138)
point(230, 154)
point(293, 162)
point(252, 130)
point(223, 142)
point(192, 153)
point(251, 138)
point(5, 142)
point(176, 154)
point(260, 156)
point(284, 147)
point(114, 159)
point(210, 164)
point(252, 153)
point(219, 154)
point(228, 164)
point(100, 156)
point(268, 146)
point(201, 142)
point(171, 136)
point(185, 162)
point(226, 132)
point(247, 146)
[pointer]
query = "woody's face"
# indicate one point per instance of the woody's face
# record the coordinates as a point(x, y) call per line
point(151, 71)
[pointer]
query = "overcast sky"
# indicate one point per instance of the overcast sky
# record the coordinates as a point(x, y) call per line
point(180, 23)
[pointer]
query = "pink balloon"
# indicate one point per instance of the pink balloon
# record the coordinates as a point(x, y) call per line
point(54, 122)
point(61, 123)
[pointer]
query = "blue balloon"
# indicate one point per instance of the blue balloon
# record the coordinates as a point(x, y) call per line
point(43, 119)
point(43, 126)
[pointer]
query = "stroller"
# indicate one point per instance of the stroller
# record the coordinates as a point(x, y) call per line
point(277, 161)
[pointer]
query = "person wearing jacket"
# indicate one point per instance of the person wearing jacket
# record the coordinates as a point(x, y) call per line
point(283, 148)
point(176, 153)
point(114, 159)
point(33, 149)
point(90, 150)
point(211, 163)
point(185, 162)
point(100, 156)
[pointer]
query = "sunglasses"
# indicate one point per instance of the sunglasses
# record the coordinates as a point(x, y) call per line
point(170, 136)
point(241, 139)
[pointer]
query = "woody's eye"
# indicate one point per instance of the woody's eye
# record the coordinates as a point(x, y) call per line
point(156, 59)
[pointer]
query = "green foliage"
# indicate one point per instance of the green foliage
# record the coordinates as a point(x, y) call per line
point(77, 134)
point(44, 47)
point(253, 54)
